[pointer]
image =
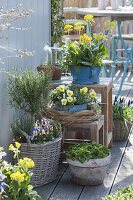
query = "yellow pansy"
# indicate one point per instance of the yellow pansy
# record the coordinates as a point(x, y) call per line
point(63, 102)
point(18, 145)
point(68, 28)
point(61, 88)
point(70, 99)
point(17, 176)
point(92, 94)
point(69, 93)
point(85, 39)
point(26, 162)
point(89, 18)
point(78, 26)
point(83, 90)
point(11, 147)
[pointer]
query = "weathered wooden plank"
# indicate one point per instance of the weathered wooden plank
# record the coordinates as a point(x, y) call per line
point(96, 192)
point(46, 190)
point(125, 174)
point(66, 189)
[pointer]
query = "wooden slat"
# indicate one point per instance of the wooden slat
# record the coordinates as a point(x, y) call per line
point(46, 190)
point(66, 189)
point(125, 173)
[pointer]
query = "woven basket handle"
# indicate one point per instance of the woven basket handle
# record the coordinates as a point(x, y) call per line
point(26, 136)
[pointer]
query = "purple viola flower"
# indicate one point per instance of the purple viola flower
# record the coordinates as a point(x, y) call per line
point(3, 186)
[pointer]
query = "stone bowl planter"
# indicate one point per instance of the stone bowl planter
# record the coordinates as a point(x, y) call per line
point(91, 172)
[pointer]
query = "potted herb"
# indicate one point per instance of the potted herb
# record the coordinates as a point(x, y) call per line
point(16, 178)
point(72, 99)
point(122, 119)
point(40, 137)
point(85, 57)
point(88, 163)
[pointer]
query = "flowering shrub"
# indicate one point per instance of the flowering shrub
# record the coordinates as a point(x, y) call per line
point(90, 50)
point(38, 132)
point(16, 185)
point(70, 95)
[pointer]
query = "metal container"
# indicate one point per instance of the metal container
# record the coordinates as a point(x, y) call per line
point(89, 173)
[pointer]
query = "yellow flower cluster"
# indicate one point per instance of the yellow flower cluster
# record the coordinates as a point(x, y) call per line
point(13, 148)
point(85, 39)
point(26, 163)
point(109, 25)
point(17, 176)
point(79, 26)
point(99, 36)
point(92, 94)
point(89, 18)
point(68, 28)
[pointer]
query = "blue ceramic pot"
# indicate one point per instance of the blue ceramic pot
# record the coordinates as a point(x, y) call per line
point(75, 108)
point(85, 75)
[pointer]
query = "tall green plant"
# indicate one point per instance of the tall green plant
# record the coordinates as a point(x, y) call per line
point(29, 91)
point(57, 24)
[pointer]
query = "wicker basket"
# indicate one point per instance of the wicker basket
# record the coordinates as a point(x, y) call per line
point(46, 157)
point(68, 118)
point(120, 130)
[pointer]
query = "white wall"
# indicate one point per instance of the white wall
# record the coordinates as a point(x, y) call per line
point(33, 39)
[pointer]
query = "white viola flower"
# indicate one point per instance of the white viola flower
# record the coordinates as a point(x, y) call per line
point(2, 154)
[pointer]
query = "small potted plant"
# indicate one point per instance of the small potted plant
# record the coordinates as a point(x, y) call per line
point(88, 163)
point(122, 119)
point(85, 57)
point(16, 178)
point(49, 64)
point(40, 137)
point(73, 99)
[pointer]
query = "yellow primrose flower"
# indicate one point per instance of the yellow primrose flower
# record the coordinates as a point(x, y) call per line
point(89, 18)
point(99, 36)
point(18, 145)
point(63, 102)
point(11, 147)
point(17, 176)
point(70, 99)
point(26, 162)
point(78, 26)
point(83, 90)
point(109, 25)
point(85, 39)
point(92, 94)
point(61, 88)
point(69, 93)
point(68, 28)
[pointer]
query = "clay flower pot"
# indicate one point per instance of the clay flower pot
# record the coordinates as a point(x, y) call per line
point(54, 70)
point(91, 172)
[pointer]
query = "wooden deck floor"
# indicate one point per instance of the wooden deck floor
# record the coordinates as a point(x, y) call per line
point(119, 174)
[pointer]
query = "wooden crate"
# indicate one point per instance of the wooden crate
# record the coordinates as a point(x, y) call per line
point(91, 131)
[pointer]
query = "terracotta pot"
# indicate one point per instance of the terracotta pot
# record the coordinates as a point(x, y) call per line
point(0, 196)
point(54, 70)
